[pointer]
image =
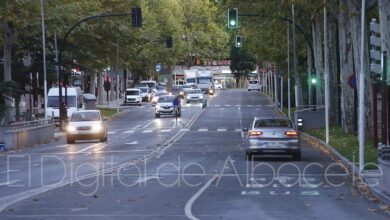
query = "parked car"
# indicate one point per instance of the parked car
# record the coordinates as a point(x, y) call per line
point(156, 96)
point(165, 106)
point(273, 135)
point(86, 124)
point(253, 85)
point(133, 96)
point(194, 95)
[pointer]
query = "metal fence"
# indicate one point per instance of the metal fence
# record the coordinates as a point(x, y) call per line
point(29, 124)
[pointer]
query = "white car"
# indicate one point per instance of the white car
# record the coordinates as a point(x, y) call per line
point(133, 96)
point(157, 95)
point(85, 125)
point(145, 93)
point(253, 85)
point(194, 95)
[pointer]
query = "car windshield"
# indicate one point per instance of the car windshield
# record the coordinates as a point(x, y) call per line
point(165, 99)
point(132, 92)
point(192, 80)
point(144, 90)
point(253, 82)
point(273, 123)
point(85, 116)
point(53, 101)
point(151, 85)
point(195, 91)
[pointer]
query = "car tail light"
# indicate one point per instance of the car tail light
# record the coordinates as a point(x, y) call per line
point(255, 133)
point(291, 133)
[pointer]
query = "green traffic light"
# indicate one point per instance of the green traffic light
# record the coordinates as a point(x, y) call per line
point(313, 81)
point(232, 22)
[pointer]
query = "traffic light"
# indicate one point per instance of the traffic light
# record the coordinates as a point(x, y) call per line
point(238, 41)
point(169, 42)
point(313, 76)
point(136, 17)
point(233, 18)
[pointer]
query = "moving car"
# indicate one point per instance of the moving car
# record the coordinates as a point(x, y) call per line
point(165, 106)
point(273, 135)
point(86, 124)
point(156, 96)
point(133, 96)
point(177, 90)
point(253, 85)
point(145, 93)
point(194, 95)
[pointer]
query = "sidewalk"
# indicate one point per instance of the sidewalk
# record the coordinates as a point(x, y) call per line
point(112, 104)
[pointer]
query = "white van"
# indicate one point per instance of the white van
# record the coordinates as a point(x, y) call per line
point(151, 84)
point(254, 85)
point(133, 96)
point(75, 101)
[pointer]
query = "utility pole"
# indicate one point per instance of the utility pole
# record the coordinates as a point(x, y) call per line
point(295, 57)
point(326, 77)
point(361, 91)
point(44, 58)
point(281, 93)
point(117, 76)
point(276, 88)
point(55, 45)
point(288, 71)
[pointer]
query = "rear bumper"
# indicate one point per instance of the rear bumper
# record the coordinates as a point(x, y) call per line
point(274, 147)
point(85, 136)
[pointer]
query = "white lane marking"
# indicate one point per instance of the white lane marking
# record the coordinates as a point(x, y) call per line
point(166, 130)
point(185, 129)
point(111, 132)
point(82, 150)
point(250, 193)
point(65, 145)
point(139, 181)
point(242, 134)
point(259, 105)
point(100, 147)
point(238, 129)
point(10, 171)
point(137, 126)
point(147, 124)
point(217, 105)
point(238, 105)
point(189, 203)
point(129, 132)
point(227, 105)
point(269, 105)
point(147, 131)
point(9, 182)
point(248, 105)
point(203, 129)
point(221, 129)
point(134, 142)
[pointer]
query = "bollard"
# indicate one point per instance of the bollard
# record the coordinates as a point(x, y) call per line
point(204, 103)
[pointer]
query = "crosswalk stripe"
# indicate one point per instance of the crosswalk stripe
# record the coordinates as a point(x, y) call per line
point(166, 130)
point(221, 129)
point(203, 129)
point(147, 131)
point(227, 105)
point(248, 105)
point(269, 105)
point(111, 132)
point(128, 132)
point(238, 105)
point(185, 129)
point(259, 105)
point(238, 129)
point(132, 143)
point(217, 105)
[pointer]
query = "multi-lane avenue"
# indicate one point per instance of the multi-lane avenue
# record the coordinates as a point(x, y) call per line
point(192, 168)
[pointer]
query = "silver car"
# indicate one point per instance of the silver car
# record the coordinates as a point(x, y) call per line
point(86, 124)
point(273, 135)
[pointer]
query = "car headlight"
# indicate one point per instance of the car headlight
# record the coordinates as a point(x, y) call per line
point(211, 91)
point(71, 128)
point(188, 97)
point(201, 96)
point(97, 127)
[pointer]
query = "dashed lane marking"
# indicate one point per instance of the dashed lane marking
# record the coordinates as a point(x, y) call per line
point(165, 130)
point(203, 129)
point(221, 129)
point(129, 132)
point(132, 143)
point(147, 131)
point(111, 132)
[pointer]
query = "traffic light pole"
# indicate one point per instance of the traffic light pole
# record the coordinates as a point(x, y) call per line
point(62, 77)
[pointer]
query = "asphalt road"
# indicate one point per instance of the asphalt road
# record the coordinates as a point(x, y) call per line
point(194, 168)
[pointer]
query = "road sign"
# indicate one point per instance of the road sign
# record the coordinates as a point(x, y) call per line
point(158, 67)
point(352, 81)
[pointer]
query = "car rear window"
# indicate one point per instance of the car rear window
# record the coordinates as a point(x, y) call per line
point(253, 82)
point(165, 99)
point(273, 123)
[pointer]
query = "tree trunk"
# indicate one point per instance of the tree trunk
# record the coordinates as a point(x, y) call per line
point(346, 69)
point(384, 18)
point(100, 89)
point(92, 85)
point(333, 70)
point(318, 59)
point(9, 36)
point(17, 109)
point(355, 9)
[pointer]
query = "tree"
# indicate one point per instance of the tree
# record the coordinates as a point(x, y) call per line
point(242, 63)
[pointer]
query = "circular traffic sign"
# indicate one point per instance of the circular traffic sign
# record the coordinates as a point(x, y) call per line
point(352, 81)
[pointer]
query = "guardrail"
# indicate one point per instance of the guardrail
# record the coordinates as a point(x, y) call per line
point(29, 124)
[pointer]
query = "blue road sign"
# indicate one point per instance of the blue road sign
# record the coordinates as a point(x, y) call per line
point(158, 67)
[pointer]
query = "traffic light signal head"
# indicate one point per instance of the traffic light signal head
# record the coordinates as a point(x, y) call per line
point(233, 18)
point(136, 17)
point(313, 80)
point(169, 42)
point(238, 41)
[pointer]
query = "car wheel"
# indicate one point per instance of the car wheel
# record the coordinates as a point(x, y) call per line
point(157, 115)
point(249, 156)
point(69, 140)
point(103, 139)
point(297, 156)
